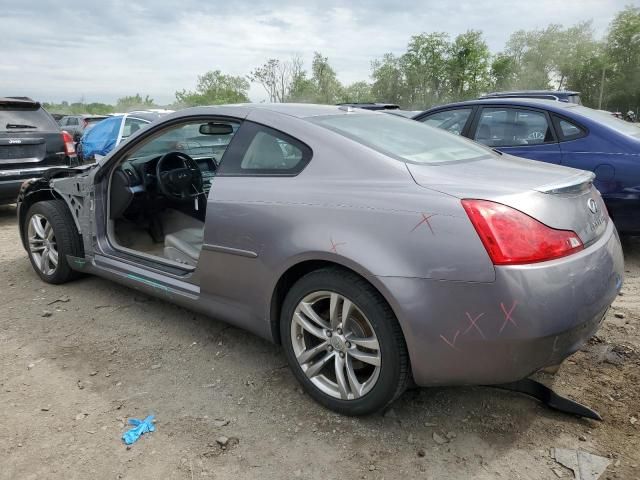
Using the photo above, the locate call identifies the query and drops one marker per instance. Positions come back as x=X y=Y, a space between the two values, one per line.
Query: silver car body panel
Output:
x=399 y=225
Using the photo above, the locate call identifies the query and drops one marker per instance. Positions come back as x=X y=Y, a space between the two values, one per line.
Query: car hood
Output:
x=554 y=195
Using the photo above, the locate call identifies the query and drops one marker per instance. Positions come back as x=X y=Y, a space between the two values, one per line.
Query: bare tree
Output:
x=277 y=77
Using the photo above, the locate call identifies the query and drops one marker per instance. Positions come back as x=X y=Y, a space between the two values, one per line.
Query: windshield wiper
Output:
x=19 y=125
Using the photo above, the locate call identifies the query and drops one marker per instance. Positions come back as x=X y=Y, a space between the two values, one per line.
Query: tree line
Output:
x=436 y=69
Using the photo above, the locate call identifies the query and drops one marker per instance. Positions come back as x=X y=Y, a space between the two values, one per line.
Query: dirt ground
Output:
x=77 y=360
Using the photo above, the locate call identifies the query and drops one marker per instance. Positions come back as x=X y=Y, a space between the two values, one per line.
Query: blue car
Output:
x=108 y=133
x=557 y=132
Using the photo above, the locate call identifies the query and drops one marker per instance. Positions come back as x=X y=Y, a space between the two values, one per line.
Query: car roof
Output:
x=510 y=101
x=556 y=93
x=298 y=110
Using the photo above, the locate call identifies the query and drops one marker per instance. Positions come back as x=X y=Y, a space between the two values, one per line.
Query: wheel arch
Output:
x=31 y=194
x=299 y=269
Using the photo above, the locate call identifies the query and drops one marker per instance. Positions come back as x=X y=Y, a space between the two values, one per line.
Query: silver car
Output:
x=377 y=250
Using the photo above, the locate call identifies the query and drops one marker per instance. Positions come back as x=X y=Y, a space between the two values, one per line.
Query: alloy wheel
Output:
x=42 y=244
x=335 y=345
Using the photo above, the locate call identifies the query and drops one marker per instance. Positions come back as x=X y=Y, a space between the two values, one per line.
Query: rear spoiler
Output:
x=19 y=102
x=574 y=185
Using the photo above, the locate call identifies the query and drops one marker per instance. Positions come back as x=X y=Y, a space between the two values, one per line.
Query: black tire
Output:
x=67 y=239
x=394 y=375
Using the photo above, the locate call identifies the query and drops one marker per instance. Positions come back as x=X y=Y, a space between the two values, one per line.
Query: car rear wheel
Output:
x=343 y=342
x=51 y=235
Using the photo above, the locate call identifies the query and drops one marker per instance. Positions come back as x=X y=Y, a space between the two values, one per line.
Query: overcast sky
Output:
x=99 y=51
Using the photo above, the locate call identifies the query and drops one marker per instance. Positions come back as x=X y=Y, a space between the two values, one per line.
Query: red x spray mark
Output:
x=425 y=219
x=334 y=245
x=451 y=343
x=473 y=324
x=507 y=315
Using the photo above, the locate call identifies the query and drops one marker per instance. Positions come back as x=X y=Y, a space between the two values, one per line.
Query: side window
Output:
x=260 y=150
x=450 y=120
x=63 y=121
x=568 y=130
x=507 y=127
x=72 y=121
x=131 y=126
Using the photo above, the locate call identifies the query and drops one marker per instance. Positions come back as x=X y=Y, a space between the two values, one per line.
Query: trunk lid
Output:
x=560 y=197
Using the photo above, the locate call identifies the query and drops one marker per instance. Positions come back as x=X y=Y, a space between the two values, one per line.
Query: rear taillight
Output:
x=69 y=146
x=512 y=237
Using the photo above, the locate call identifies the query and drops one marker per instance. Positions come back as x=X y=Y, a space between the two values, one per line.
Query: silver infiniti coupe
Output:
x=375 y=249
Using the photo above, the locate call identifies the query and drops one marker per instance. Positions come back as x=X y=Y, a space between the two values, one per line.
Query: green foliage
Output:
x=77 y=108
x=325 y=82
x=433 y=70
x=468 y=65
x=134 y=102
x=388 y=80
x=215 y=88
x=623 y=60
x=357 y=92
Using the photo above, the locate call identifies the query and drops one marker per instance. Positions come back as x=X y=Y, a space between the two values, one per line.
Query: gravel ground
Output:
x=77 y=360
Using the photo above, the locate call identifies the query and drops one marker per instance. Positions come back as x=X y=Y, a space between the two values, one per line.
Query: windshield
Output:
x=609 y=120
x=404 y=139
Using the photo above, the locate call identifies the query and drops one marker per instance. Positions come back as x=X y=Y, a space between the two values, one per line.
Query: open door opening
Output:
x=158 y=192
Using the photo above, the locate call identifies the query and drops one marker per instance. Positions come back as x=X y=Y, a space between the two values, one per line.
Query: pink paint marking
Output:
x=473 y=324
x=507 y=315
x=334 y=245
x=452 y=344
x=425 y=219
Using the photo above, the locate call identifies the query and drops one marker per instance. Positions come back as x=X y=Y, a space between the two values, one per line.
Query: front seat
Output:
x=184 y=246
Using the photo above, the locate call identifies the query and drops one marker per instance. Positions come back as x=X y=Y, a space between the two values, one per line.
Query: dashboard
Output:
x=141 y=172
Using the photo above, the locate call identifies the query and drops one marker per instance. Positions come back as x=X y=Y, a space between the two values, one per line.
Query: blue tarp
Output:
x=102 y=138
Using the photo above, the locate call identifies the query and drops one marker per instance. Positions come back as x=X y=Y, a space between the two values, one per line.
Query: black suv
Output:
x=30 y=142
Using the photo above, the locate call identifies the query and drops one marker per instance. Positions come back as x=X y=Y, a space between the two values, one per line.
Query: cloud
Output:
x=100 y=51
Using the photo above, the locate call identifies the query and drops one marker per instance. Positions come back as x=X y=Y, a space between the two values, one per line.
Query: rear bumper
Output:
x=11 y=180
x=531 y=317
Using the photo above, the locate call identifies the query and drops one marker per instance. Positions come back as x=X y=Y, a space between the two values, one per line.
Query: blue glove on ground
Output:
x=140 y=427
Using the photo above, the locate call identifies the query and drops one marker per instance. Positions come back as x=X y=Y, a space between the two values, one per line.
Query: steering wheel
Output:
x=536 y=135
x=179 y=183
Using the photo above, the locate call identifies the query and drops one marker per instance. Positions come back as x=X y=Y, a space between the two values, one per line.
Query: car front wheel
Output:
x=343 y=342
x=51 y=235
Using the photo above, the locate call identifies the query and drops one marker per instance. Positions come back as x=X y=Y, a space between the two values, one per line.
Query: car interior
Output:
x=158 y=192
x=511 y=127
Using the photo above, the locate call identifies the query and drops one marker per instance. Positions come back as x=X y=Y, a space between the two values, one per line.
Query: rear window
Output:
x=609 y=120
x=14 y=118
x=404 y=139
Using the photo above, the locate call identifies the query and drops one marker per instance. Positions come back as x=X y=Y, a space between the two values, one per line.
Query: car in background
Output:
x=557 y=132
x=110 y=132
x=370 y=105
x=30 y=143
x=568 y=96
x=76 y=125
x=391 y=108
